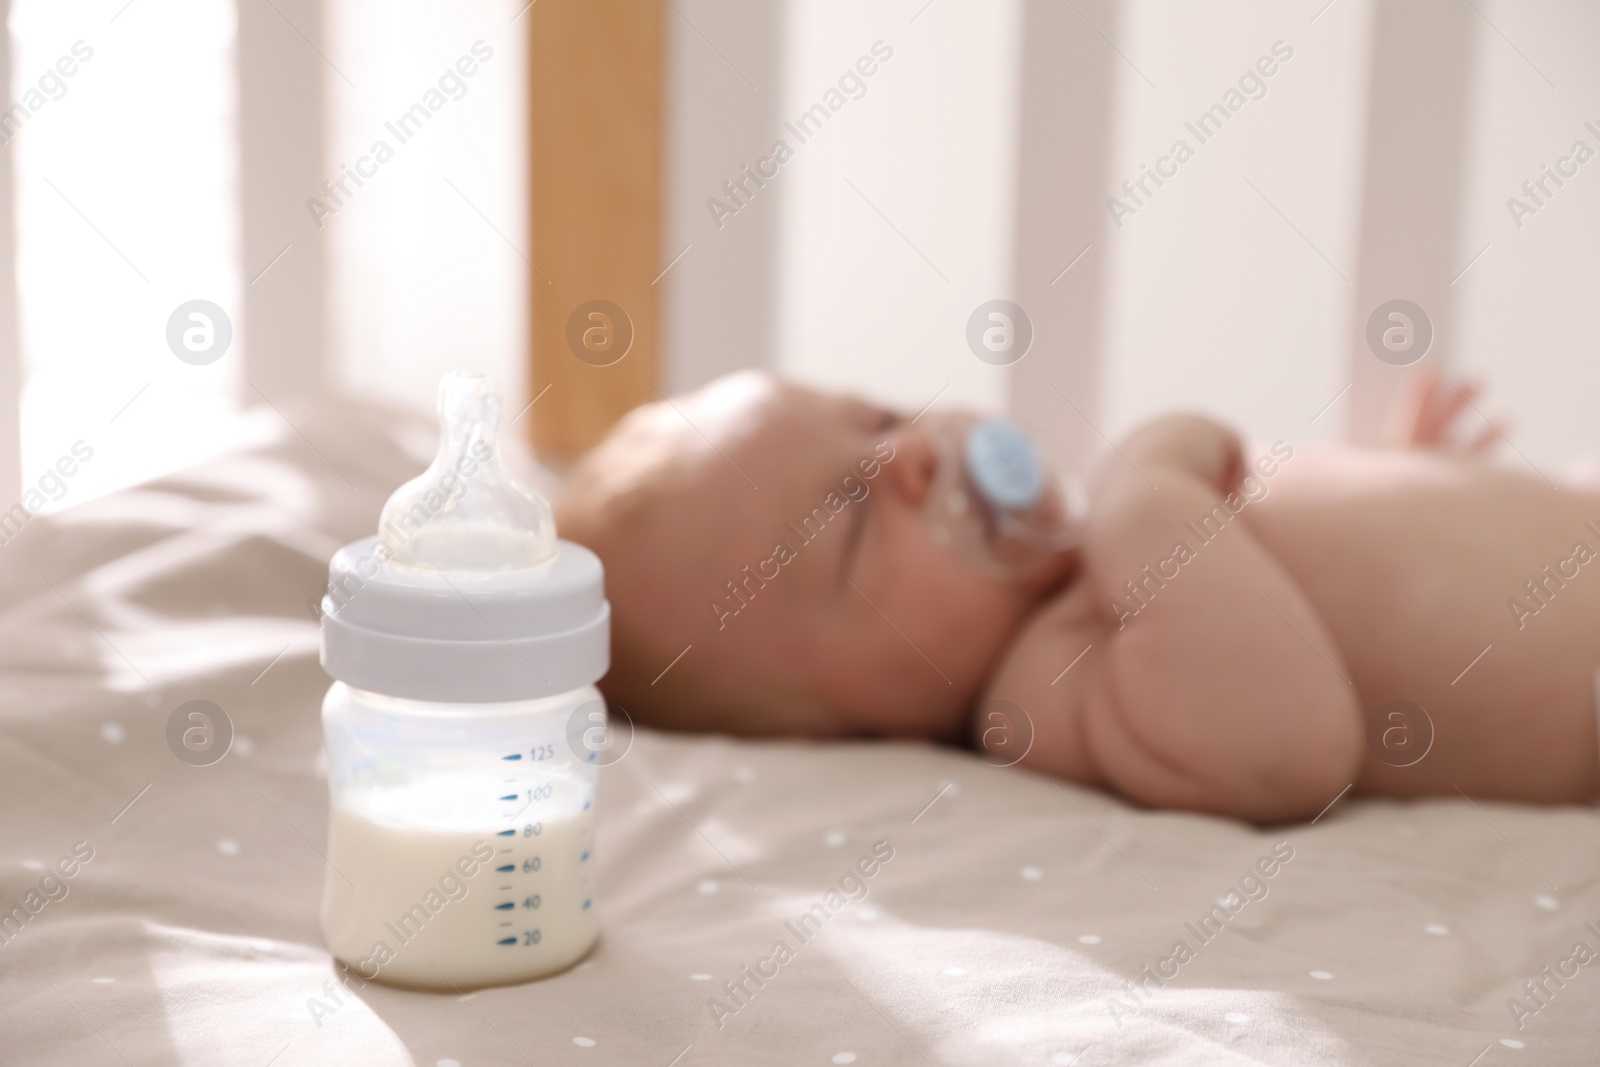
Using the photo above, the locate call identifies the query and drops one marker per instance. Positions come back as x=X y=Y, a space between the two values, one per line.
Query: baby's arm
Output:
x=1224 y=692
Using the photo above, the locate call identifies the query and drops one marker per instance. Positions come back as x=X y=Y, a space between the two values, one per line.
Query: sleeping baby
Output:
x=1232 y=631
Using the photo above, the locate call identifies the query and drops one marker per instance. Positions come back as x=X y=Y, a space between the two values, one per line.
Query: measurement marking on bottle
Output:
x=513 y=756
x=507 y=906
x=509 y=796
x=506 y=833
x=507 y=868
x=506 y=941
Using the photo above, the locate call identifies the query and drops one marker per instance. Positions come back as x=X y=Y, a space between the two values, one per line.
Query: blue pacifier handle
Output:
x=1003 y=465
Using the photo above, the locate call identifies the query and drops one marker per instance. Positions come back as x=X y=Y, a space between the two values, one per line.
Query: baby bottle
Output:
x=996 y=502
x=466 y=641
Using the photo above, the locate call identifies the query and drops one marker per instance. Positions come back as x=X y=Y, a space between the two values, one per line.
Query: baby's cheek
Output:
x=976 y=617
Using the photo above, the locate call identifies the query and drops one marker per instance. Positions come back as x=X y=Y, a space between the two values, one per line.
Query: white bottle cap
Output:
x=466 y=595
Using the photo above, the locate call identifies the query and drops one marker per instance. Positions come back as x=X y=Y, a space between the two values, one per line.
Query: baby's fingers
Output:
x=1455 y=401
x=1435 y=409
x=1488 y=439
x=1423 y=420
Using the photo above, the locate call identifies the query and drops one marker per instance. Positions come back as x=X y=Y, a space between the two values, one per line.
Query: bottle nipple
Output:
x=466 y=512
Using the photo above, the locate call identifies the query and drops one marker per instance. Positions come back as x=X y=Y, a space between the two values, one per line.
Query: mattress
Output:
x=1009 y=918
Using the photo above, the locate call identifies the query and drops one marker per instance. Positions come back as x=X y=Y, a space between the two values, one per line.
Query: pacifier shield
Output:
x=1003 y=465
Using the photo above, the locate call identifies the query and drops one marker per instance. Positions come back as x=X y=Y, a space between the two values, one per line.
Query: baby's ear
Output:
x=915 y=463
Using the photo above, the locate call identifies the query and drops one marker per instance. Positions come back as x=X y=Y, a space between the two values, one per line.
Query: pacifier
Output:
x=996 y=502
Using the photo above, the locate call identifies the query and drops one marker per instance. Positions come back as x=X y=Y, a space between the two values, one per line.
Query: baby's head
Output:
x=776 y=533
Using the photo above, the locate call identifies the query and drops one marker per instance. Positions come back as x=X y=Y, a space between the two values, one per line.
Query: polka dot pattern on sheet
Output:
x=1032 y=874
x=112 y=733
x=1511 y=1042
x=228 y=846
x=1437 y=929
x=1546 y=902
x=1322 y=976
x=700 y=977
x=844 y=1057
x=583 y=1042
x=1088 y=939
x=1237 y=1017
x=708 y=886
x=446 y=1063
x=833 y=838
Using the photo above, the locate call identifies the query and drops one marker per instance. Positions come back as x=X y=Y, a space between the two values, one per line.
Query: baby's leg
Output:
x=1223 y=690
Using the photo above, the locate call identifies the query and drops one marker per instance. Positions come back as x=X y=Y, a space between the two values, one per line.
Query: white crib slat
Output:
x=10 y=347
x=1059 y=272
x=1416 y=154
x=282 y=119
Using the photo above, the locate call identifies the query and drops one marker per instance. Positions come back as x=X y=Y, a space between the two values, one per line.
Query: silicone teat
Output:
x=996 y=502
x=466 y=512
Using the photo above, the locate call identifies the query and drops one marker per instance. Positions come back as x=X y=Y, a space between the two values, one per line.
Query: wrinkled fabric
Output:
x=1016 y=920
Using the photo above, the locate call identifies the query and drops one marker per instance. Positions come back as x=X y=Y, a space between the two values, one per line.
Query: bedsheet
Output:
x=1009 y=918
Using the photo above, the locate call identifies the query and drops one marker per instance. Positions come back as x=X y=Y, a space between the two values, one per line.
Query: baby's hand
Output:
x=1429 y=414
x=1190 y=443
